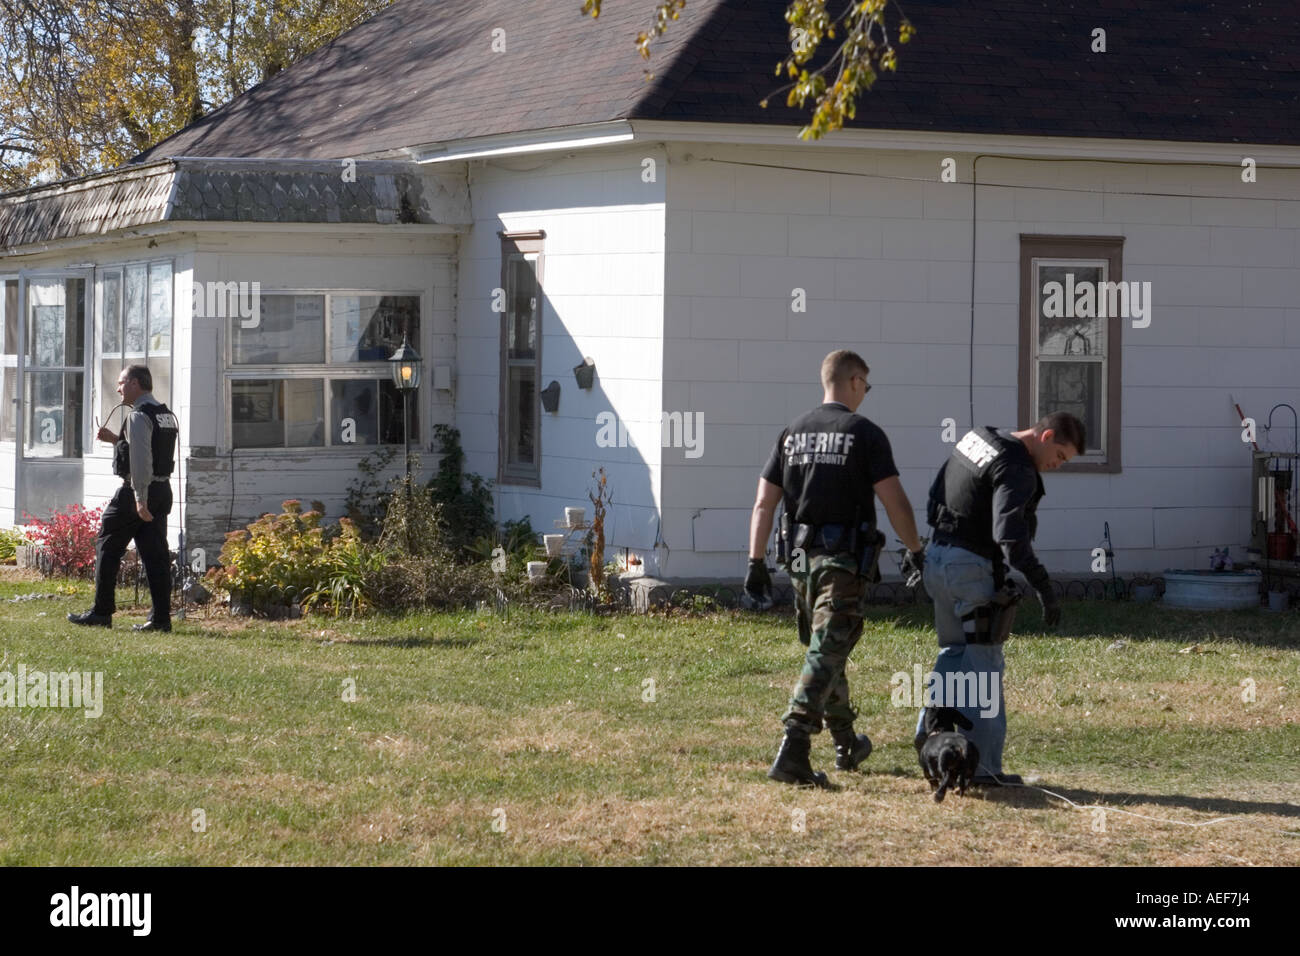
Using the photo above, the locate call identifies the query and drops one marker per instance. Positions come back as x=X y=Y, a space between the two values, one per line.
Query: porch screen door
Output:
x=52 y=366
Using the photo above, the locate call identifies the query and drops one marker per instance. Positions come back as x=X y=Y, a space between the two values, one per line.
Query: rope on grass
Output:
x=1131 y=813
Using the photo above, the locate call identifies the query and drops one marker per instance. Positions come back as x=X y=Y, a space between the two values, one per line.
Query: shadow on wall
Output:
x=610 y=424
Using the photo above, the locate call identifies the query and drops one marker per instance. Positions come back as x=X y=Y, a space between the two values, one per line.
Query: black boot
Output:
x=791 y=764
x=91 y=619
x=850 y=750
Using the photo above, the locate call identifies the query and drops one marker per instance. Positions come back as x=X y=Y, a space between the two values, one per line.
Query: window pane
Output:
x=136 y=308
x=305 y=412
x=521 y=405
x=369 y=328
x=1074 y=387
x=1068 y=310
x=111 y=318
x=56 y=331
x=53 y=422
x=354 y=406
x=160 y=307
x=290 y=330
x=8 y=404
x=521 y=319
x=392 y=409
x=10 y=305
x=109 y=369
x=257 y=413
x=47 y=330
x=160 y=368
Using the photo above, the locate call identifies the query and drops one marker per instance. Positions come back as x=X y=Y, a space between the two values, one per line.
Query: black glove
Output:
x=758 y=586
x=912 y=566
x=1051 y=607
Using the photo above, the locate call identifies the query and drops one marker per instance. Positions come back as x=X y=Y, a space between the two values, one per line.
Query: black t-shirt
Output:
x=827 y=462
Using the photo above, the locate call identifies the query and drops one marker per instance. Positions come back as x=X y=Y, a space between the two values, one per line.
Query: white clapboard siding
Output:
x=603 y=214
x=885 y=264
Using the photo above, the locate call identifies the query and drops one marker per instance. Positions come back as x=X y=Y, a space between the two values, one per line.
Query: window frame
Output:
x=8 y=360
x=99 y=387
x=83 y=439
x=1064 y=250
x=323 y=372
x=520 y=244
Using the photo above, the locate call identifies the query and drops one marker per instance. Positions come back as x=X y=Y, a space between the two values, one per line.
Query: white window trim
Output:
x=99 y=387
x=316 y=371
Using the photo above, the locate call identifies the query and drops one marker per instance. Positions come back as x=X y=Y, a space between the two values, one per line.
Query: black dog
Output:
x=947 y=759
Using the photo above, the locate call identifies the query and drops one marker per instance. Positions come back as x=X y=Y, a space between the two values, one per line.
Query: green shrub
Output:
x=412 y=524
x=289 y=558
x=348 y=562
x=367 y=500
x=11 y=539
x=464 y=500
x=277 y=559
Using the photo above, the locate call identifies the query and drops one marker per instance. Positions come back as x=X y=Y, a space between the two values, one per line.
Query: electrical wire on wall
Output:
x=975 y=184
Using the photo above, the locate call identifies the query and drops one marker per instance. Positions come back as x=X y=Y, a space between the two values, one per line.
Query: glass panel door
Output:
x=51 y=371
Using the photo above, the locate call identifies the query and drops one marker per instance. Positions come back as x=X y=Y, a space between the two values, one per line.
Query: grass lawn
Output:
x=474 y=740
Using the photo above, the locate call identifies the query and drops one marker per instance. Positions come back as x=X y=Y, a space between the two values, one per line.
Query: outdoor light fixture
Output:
x=405 y=363
x=551 y=396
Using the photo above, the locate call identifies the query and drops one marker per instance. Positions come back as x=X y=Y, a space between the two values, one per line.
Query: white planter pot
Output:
x=536 y=570
x=554 y=544
x=574 y=517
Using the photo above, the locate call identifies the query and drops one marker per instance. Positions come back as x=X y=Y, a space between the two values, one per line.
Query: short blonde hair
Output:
x=840 y=366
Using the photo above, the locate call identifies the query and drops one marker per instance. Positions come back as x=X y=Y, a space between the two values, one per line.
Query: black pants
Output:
x=121 y=523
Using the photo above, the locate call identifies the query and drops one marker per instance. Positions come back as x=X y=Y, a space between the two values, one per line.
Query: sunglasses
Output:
x=865 y=387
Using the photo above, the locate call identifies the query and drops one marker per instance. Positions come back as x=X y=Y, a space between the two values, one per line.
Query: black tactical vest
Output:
x=163 y=444
x=961 y=498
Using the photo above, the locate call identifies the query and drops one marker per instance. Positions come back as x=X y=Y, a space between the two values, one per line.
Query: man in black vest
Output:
x=983 y=508
x=829 y=466
x=144 y=455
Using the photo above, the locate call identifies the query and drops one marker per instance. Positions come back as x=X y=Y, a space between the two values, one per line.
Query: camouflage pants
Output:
x=829 y=597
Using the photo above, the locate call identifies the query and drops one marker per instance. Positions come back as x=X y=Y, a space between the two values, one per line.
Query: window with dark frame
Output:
x=313 y=371
x=1069 y=358
x=520 y=456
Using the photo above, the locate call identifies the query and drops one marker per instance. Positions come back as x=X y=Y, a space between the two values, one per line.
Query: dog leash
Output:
x=1130 y=813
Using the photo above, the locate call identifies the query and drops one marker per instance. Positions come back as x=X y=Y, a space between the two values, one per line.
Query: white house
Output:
x=520 y=202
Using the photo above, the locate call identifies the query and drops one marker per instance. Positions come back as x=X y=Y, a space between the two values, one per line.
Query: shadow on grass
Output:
x=1136 y=622
x=1029 y=797
x=410 y=641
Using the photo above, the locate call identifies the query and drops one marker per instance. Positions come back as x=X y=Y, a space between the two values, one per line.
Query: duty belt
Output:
x=863 y=542
x=983 y=550
x=126 y=482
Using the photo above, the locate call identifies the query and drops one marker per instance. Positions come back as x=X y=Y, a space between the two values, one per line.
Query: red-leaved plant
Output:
x=68 y=538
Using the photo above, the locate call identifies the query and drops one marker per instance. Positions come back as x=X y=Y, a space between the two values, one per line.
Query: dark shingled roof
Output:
x=423 y=72
x=215 y=190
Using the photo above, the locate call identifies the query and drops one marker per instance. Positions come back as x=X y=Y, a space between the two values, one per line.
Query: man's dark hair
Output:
x=840 y=366
x=143 y=377
x=1068 y=429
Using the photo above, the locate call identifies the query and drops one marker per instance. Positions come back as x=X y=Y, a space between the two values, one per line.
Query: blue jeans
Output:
x=959 y=581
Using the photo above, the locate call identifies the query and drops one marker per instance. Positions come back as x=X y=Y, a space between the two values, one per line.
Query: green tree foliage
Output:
x=866 y=50
x=87 y=84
